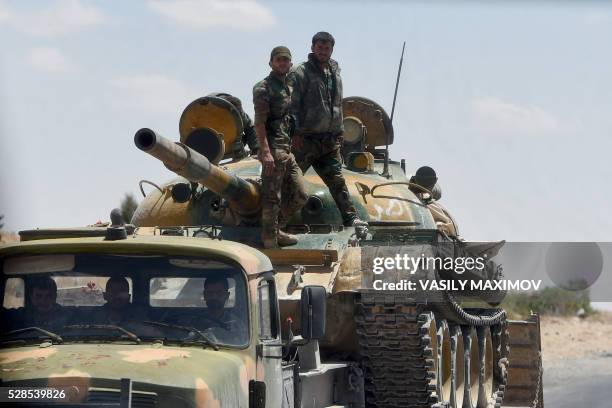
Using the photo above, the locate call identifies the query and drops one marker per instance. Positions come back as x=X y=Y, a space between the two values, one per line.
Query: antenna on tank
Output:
x=399 y=72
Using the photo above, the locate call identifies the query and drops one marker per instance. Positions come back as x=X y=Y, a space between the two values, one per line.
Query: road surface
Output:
x=578 y=383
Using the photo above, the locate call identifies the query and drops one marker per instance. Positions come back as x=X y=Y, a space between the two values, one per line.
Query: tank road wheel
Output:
x=431 y=327
x=472 y=367
x=444 y=375
x=485 y=360
x=458 y=369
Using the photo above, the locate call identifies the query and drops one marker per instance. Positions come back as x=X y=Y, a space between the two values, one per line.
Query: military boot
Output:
x=285 y=239
x=356 y=222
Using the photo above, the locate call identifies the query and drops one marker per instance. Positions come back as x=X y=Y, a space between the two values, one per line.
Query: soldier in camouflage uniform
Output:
x=282 y=187
x=249 y=136
x=316 y=106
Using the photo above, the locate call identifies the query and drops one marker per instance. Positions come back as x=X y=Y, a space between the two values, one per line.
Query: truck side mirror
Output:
x=313 y=312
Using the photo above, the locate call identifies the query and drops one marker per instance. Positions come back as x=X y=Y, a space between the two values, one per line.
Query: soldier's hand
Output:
x=267 y=161
x=297 y=143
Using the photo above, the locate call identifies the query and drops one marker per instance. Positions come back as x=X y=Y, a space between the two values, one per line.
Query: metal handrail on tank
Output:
x=371 y=190
x=243 y=196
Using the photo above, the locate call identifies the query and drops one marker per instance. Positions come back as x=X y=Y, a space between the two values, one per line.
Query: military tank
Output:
x=446 y=347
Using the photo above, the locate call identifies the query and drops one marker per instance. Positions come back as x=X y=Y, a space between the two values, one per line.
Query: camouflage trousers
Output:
x=322 y=152
x=283 y=192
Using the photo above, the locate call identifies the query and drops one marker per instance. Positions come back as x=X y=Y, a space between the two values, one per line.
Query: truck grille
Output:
x=109 y=397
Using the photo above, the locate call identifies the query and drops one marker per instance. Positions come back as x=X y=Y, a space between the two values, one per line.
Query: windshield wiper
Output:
x=55 y=337
x=207 y=339
x=128 y=333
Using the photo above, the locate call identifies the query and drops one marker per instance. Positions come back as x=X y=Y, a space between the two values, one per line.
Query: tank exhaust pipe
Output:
x=242 y=195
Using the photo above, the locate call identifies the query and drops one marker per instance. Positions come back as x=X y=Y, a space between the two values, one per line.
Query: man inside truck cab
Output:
x=43 y=310
x=118 y=308
x=216 y=318
x=216 y=294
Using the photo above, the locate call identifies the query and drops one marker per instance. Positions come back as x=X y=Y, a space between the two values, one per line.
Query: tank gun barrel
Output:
x=243 y=195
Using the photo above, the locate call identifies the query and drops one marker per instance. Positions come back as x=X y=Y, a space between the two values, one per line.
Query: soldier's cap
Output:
x=281 y=51
x=323 y=36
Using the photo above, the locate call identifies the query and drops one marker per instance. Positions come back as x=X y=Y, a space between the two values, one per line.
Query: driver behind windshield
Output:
x=43 y=310
x=216 y=316
x=216 y=294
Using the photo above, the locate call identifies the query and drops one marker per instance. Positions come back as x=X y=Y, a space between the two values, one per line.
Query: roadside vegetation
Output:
x=551 y=301
x=128 y=206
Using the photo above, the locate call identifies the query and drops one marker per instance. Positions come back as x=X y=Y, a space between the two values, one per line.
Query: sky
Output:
x=508 y=101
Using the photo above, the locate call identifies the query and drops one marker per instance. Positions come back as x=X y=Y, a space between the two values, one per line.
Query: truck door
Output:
x=269 y=348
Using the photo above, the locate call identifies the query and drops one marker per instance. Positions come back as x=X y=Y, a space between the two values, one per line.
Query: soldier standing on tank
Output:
x=282 y=187
x=249 y=136
x=316 y=107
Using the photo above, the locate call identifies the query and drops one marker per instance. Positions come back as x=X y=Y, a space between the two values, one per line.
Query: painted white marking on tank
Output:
x=379 y=212
x=394 y=205
x=410 y=214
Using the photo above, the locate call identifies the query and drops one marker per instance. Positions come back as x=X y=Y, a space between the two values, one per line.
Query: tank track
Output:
x=396 y=350
x=395 y=345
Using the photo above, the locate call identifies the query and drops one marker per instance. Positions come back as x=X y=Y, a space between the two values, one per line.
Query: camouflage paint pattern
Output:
x=187 y=376
x=316 y=99
x=158 y=209
x=201 y=376
x=271 y=99
x=322 y=153
x=282 y=193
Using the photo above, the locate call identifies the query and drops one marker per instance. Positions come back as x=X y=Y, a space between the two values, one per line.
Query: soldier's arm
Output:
x=261 y=102
x=250 y=135
x=295 y=79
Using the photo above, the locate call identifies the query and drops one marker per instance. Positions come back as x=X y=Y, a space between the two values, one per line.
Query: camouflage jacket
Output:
x=316 y=101
x=271 y=98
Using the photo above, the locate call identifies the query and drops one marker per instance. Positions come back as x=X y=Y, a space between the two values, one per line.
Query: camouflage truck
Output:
x=168 y=349
x=312 y=331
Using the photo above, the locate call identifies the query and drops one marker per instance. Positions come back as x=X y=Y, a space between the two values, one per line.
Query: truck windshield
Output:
x=90 y=297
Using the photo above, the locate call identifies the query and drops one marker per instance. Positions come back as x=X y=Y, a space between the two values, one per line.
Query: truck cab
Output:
x=157 y=321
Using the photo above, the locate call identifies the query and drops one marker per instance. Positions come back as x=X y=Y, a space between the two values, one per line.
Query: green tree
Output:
x=128 y=206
